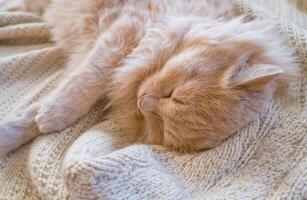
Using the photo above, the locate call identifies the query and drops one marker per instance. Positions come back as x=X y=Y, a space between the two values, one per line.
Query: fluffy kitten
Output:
x=182 y=73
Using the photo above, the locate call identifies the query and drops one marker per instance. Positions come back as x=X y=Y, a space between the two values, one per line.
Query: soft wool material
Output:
x=266 y=160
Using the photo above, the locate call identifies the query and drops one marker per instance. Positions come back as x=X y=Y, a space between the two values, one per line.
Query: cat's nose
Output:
x=148 y=102
x=141 y=100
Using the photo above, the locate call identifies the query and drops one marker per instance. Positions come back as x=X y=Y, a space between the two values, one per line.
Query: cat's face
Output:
x=205 y=93
x=191 y=91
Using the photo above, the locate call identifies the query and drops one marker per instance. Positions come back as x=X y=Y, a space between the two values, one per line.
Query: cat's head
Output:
x=207 y=90
x=205 y=93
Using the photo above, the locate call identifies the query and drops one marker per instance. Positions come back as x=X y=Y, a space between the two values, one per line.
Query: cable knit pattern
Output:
x=88 y=160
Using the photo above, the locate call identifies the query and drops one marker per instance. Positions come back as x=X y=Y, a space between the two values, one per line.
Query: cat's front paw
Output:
x=18 y=129
x=53 y=117
x=6 y=143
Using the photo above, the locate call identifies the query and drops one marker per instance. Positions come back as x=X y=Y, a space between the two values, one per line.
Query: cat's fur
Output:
x=186 y=74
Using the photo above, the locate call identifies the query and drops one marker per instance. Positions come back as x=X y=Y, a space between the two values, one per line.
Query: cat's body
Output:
x=186 y=74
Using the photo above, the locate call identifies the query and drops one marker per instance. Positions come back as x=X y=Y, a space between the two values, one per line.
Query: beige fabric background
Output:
x=266 y=160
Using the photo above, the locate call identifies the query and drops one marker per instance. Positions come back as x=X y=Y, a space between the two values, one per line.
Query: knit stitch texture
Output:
x=265 y=160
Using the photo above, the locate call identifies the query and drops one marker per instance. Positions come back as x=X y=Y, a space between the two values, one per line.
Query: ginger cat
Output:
x=182 y=73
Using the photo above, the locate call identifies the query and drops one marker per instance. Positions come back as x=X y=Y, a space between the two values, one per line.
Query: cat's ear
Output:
x=258 y=76
x=251 y=77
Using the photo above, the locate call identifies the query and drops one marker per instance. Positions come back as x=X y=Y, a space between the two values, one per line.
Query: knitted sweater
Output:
x=265 y=160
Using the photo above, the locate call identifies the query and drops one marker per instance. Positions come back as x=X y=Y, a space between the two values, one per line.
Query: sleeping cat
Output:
x=182 y=73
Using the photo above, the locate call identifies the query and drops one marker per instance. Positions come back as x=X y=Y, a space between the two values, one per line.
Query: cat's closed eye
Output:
x=177 y=100
x=168 y=94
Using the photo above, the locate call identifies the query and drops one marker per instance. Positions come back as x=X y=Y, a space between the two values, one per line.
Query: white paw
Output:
x=18 y=130
x=6 y=143
x=54 y=116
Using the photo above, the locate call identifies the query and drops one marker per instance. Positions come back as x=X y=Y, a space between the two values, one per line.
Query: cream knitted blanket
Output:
x=266 y=160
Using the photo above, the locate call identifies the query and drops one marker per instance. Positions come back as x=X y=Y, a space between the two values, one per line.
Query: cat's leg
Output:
x=77 y=92
x=18 y=130
x=87 y=83
x=34 y=6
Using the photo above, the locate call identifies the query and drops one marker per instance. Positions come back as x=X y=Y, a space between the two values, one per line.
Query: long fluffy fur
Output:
x=186 y=74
